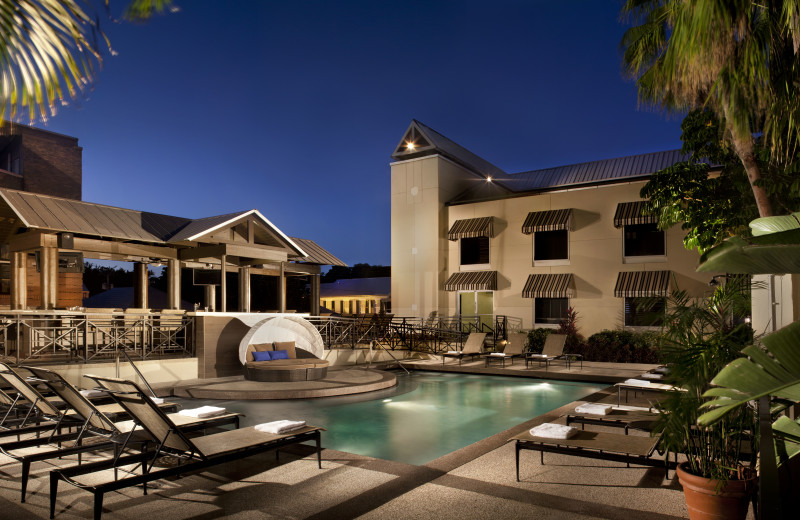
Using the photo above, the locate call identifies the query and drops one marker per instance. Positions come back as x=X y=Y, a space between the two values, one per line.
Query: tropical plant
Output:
x=50 y=51
x=621 y=346
x=769 y=372
x=701 y=336
x=738 y=58
x=568 y=326
x=536 y=339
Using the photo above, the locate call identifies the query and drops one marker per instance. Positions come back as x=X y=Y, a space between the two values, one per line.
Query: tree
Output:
x=712 y=208
x=738 y=58
x=50 y=51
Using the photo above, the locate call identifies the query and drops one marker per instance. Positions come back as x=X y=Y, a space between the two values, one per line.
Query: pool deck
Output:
x=475 y=482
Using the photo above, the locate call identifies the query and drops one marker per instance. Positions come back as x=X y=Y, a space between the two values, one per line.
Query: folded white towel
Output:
x=553 y=431
x=636 y=382
x=498 y=354
x=279 y=427
x=542 y=356
x=454 y=352
x=594 y=408
x=204 y=412
x=93 y=393
x=157 y=400
x=652 y=376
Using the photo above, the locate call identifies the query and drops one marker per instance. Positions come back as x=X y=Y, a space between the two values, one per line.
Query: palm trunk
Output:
x=743 y=145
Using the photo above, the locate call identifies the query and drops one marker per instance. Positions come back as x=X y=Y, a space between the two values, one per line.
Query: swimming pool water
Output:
x=427 y=415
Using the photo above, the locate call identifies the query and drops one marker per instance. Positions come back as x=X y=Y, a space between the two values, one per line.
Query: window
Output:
x=644 y=312
x=475 y=251
x=550 y=245
x=550 y=310
x=643 y=240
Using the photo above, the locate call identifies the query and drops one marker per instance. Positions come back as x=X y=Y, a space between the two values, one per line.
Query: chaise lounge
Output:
x=514 y=348
x=472 y=347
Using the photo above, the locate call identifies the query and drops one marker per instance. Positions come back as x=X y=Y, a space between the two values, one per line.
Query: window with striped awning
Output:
x=642 y=284
x=472 y=281
x=549 y=286
x=553 y=220
x=629 y=213
x=472 y=228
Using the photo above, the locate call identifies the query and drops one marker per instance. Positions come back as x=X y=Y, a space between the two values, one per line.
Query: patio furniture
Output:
x=553 y=349
x=627 y=419
x=514 y=348
x=192 y=454
x=472 y=347
x=641 y=385
x=631 y=449
x=300 y=365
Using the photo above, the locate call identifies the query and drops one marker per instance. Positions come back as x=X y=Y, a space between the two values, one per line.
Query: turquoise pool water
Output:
x=425 y=416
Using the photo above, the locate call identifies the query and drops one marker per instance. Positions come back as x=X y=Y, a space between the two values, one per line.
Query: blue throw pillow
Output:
x=262 y=356
x=280 y=354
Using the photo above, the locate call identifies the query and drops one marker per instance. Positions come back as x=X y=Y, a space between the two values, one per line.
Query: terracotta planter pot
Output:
x=703 y=501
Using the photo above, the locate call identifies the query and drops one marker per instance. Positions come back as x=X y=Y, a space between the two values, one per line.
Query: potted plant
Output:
x=700 y=337
x=768 y=372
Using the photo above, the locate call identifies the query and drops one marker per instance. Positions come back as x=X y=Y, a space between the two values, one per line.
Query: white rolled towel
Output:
x=636 y=382
x=89 y=393
x=652 y=376
x=204 y=412
x=553 y=431
x=498 y=354
x=157 y=400
x=278 y=427
x=594 y=408
x=539 y=356
x=454 y=352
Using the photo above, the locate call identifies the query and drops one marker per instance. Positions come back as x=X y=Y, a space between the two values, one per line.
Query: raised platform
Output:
x=339 y=381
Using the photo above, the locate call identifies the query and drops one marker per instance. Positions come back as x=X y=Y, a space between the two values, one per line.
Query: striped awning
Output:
x=629 y=213
x=642 y=284
x=471 y=228
x=553 y=220
x=472 y=281
x=549 y=286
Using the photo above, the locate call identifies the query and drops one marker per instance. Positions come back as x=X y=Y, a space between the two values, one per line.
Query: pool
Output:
x=427 y=415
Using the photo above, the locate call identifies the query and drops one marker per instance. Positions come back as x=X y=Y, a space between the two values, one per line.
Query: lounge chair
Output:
x=192 y=454
x=643 y=385
x=472 y=347
x=631 y=449
x=89 y=421
x=627 y=419
x=514 y=348
x=553 y=349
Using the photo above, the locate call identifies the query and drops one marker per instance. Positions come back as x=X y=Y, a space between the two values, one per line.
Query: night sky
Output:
x=294 y=108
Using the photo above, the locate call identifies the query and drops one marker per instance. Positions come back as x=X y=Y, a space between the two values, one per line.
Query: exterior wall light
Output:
x=489 y=178
x=410 y=146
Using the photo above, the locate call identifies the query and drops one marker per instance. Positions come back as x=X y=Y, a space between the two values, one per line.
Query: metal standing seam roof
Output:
x=87 y=218
x=549 y=286
x=471 y=228
x=552 y=220
x=642 y=284
x=472 y=281
x=315 y=254
x=632 y=213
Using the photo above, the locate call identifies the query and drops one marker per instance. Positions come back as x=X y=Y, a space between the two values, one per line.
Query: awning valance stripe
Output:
x=553 y=220
x=642 y=284
x=472 y=281
x=471 y=228
x=549 y=286
x=629 y=213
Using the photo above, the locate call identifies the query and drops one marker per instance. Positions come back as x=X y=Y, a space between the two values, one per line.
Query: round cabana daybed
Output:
x=295 y=343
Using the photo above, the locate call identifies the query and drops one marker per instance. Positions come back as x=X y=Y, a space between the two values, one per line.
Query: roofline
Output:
x=3 y=195
x=244 y=214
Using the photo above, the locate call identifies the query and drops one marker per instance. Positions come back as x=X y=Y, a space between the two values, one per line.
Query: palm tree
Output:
x=737 y=57
x=50 y=51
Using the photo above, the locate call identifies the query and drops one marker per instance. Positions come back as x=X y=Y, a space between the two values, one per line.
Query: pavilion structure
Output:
x=45 y=239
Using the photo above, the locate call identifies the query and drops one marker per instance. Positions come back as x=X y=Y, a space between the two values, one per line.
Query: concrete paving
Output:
x=475 y=482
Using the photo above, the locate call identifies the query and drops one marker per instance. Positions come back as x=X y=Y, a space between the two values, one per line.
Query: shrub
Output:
x=536 y=339
x=621 y=346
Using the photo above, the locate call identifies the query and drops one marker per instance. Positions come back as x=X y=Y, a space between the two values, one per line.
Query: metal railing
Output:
x=81 y=337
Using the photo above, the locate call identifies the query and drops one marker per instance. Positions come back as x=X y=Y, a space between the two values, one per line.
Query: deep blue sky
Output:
x=294 y=108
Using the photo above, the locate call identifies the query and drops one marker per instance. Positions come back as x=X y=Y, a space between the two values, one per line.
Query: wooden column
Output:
x=19 y=280
x=173 y=284
x=48 y=277
x=282 y=290
x=314 y=295
x=140 y=284
x=223 y=285
x=244 y=289
x=211 y=297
